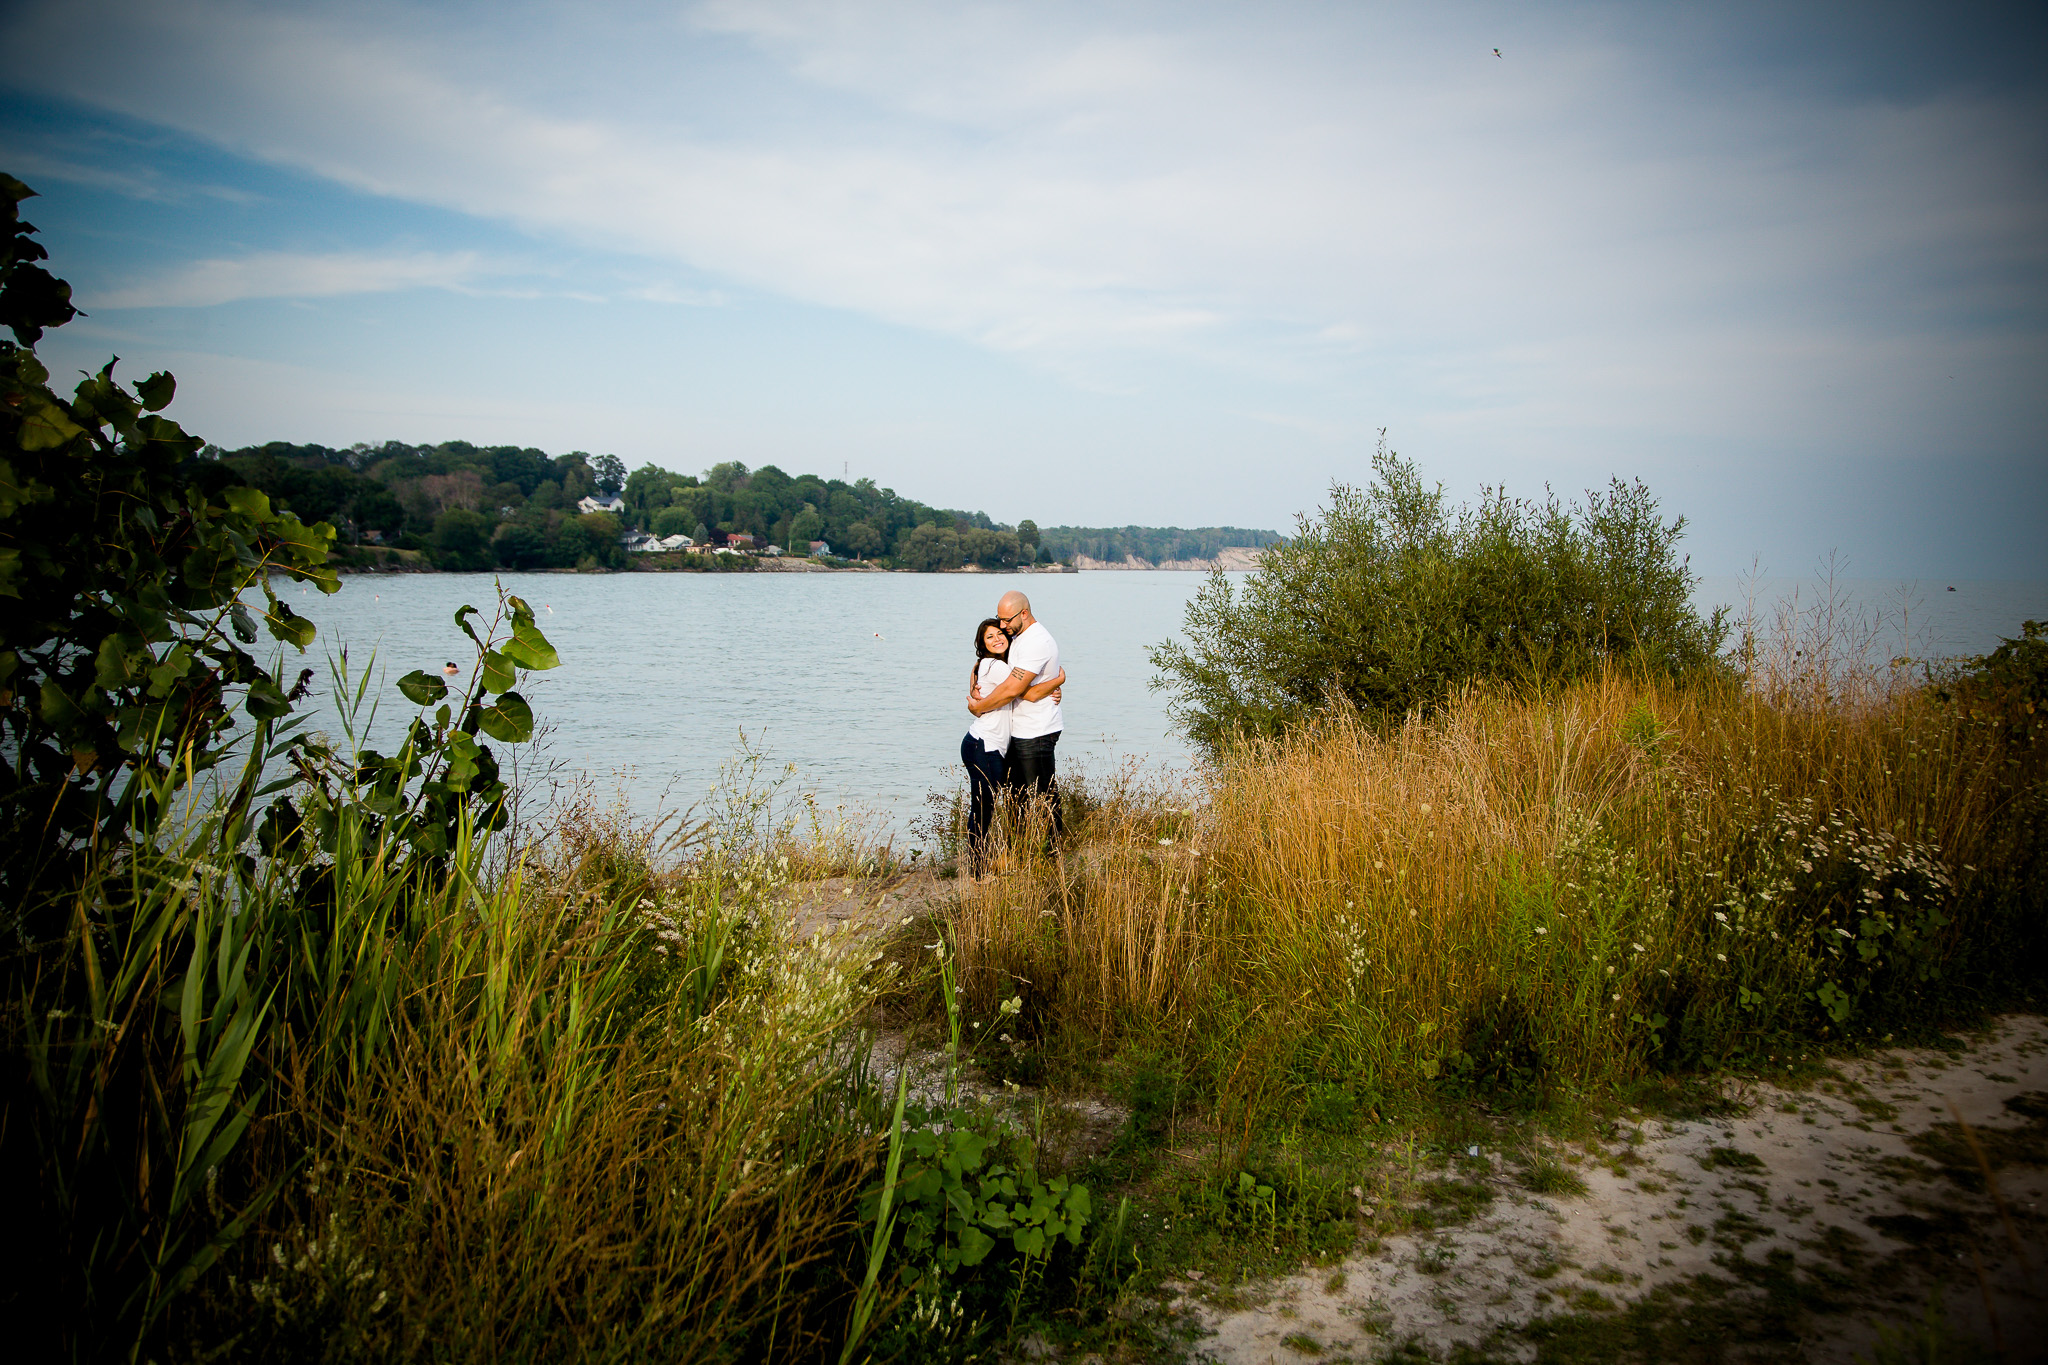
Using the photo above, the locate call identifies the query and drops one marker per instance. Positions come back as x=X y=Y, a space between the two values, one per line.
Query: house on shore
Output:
x=740 y=542
x=819 y=547
x=613 y=504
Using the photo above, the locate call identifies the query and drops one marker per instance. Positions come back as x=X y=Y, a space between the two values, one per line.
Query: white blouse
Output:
x=992 y=728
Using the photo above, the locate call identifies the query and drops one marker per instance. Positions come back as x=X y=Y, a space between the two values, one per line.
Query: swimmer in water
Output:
x=449 y=669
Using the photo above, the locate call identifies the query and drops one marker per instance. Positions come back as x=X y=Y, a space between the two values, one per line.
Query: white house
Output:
x=613 y=504
x=819 y=547
x=677 y=543
x=640 y=543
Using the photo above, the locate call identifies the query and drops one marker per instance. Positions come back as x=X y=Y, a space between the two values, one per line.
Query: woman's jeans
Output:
x=984 y=780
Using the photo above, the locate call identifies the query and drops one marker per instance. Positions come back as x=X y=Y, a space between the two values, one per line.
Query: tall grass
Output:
x=1532 y=890
x=589 y=1099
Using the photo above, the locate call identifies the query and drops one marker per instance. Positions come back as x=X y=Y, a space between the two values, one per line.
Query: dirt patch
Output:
x=859 y=907
x=1792 y=1228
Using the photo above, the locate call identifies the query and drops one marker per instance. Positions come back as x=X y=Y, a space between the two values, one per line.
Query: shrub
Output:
x=125 y=562
x=1389 y=601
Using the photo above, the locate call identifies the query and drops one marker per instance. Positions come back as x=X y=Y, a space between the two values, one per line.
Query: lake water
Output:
x=860 y=679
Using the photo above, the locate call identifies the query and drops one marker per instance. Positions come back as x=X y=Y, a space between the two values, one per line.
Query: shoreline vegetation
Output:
x=1498 y=850
x=460 y=507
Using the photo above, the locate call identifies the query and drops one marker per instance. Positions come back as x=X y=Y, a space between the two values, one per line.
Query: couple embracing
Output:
x=1014 y=695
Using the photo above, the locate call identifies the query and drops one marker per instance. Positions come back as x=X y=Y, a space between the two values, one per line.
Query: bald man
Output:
x=1034 y=725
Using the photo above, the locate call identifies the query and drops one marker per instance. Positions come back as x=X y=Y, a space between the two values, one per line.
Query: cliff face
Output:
x=1235 y=558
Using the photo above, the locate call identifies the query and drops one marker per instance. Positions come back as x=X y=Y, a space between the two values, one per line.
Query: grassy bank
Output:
x=1529 y=896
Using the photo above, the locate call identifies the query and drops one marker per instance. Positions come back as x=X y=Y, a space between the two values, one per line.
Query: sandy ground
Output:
x=1863 y=1176
x=856 y=908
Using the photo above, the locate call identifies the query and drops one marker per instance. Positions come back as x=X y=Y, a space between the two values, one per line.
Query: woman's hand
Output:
x=1050 y=687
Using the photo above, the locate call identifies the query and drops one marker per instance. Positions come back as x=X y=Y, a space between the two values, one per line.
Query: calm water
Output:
x=860 y=679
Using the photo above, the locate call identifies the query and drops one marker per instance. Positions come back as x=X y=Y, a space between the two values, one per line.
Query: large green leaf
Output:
x=267 y=701
x=508 y=719
x=46 y=427
x=157 y=391
x=528 y=648
x=244 y=501
x=976 y=1244
x=421 y=688
x=497 y=673
x=287 y=625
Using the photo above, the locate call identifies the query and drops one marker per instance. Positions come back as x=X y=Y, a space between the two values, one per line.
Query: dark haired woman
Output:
x=988 y=738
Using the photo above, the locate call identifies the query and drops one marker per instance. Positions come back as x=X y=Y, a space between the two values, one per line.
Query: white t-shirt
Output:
x=992 y=728
x=1037 y=653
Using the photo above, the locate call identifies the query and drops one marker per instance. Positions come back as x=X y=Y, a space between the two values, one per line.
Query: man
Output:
x=1034 y=725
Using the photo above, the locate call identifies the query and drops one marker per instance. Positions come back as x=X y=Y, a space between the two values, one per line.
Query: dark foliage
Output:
x=1389 y=600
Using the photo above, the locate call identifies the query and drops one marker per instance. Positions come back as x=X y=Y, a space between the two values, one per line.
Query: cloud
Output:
x=1048 y=182
x=142 y=182
x=289 y=275
x=1600 y=239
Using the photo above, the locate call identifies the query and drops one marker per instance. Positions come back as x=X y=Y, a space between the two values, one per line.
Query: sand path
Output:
x=1864 y=1181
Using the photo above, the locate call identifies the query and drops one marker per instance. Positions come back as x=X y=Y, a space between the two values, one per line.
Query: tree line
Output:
x=471 y=507
x=1153 y=544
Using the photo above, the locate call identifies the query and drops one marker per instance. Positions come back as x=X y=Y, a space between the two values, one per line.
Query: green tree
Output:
x=1027 y=536
x=518 y=545
x=929 y=548
x=609 y=472
x=990 y=549
x=807 y=526
x=674 y=521
x=861 y=540
x=1388 y=600
x=125 y=562
x=599 y=534
x=462 y=540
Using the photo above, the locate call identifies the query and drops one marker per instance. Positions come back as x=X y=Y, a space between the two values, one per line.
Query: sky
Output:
x=1095 y=264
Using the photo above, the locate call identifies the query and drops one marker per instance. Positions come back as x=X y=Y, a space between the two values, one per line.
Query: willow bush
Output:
x=1389 y=600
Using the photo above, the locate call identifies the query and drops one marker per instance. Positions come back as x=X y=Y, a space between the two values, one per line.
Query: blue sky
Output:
x=1170 y=264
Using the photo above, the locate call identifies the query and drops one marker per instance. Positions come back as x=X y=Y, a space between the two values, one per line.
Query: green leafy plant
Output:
x=1389 y=600
x=126 y=568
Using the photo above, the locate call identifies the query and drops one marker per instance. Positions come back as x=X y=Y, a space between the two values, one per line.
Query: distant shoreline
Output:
x=1235 y=559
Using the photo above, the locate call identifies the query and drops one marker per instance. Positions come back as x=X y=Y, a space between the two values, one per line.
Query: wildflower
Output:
x=1721 y=917
x=1637 y=946
x=1720 y=957
x=1166 y=843
x=1425 y=808
x=1541 y=930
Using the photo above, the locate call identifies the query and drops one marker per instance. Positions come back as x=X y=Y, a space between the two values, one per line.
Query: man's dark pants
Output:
x=1029 y=771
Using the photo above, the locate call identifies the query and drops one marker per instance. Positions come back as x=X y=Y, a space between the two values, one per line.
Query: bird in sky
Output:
x=1496 y=52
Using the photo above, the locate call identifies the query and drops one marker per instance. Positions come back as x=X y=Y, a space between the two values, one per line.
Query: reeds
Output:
x=594 y=1102
x=1533 y=890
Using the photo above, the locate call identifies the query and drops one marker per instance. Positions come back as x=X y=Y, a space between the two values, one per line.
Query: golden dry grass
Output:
x=1562 y=884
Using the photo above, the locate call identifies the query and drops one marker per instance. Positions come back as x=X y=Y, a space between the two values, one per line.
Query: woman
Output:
x=988 y=738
